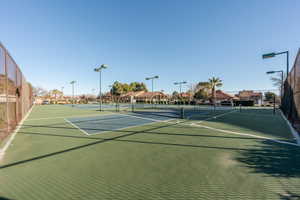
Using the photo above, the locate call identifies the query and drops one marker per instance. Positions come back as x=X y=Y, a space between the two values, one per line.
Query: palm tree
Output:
x=56 y=93
x=213 y=83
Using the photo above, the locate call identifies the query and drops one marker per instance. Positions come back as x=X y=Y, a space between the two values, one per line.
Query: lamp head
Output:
x=104 y=66
x=270 y=72
x=268 y=55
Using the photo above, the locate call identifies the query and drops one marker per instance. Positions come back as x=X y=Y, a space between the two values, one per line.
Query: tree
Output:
x=83 y=98
x=277 y=80
x=203 y=85
x=55 y=93
x=39 y=92
x=136 y=86
x=269 y=96
x=175 y=94
x=126 y=88
x=192 y=91
x=201 y=95
x=121 y=88
x=117 y=88
x=213 y=83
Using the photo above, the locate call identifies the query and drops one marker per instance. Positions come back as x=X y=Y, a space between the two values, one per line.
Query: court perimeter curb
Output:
x=13 y=135
x=293 y=130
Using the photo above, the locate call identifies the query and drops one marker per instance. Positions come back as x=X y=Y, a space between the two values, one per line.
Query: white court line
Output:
x=244 y=134
x=12 y=137
x=293 y=131
x=155 y=120
x=220 y=115
x=72 y=116
x=83 y=131
x=129 y=127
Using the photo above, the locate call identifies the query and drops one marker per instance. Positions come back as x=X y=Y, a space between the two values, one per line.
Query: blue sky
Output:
x=57 y=41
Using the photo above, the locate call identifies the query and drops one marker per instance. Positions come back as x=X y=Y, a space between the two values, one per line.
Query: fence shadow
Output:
x=272 y=159
x=289 y=196
x=275 y=160
x=117 y=138
x=3 y=198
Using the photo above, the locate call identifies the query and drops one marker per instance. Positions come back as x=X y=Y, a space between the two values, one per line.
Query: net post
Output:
x=182 y=113
x=116 y=107
x=274 y=105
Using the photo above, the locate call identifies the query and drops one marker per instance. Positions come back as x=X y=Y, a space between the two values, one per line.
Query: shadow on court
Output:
x=272 y=159
x=258 y=121
x=117 y=138
x=3 y=198
x=289 y=196
x=275 y=160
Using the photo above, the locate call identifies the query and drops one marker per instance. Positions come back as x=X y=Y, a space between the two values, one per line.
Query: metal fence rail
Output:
x=291 y=96
x=15 y=94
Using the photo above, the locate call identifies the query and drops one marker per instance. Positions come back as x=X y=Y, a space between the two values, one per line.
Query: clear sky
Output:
x=57 y=41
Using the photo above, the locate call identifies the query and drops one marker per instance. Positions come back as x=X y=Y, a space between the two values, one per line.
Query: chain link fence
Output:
x=15 y=94
x=291 y=94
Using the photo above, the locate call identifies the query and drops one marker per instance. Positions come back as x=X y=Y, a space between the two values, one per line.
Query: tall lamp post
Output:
x=279 y=71
x=72 y=83
x=62 y=92
x=99 y=69
x=152 y=78
x=273 y=54
x=180 y=86
x=111 y=94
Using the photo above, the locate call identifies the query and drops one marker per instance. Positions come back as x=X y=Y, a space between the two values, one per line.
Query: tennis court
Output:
x=64 y=152
x=113 y=122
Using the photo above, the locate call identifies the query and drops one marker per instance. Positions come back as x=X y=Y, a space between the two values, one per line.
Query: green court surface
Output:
x=64 y=152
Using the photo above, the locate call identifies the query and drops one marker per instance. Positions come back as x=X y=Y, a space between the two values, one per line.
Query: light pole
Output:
x=273 y=54
x=281 y=92
x=62 y=92
x=111 y=94
x=180 y=85
x=152 y=78
x=99 y=69
x=72 y=83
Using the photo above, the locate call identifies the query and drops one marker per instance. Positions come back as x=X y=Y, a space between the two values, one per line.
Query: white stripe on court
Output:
x=149 y=123
x=220 y=115
x=83 y=131
x=12 y=137
x=155 y=120
x=71 y=116
x=244 y=134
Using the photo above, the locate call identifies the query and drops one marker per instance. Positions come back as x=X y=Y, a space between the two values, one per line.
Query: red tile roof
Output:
x=222 y=95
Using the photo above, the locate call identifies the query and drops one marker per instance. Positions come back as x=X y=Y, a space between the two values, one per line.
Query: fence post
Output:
x=274 y=104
